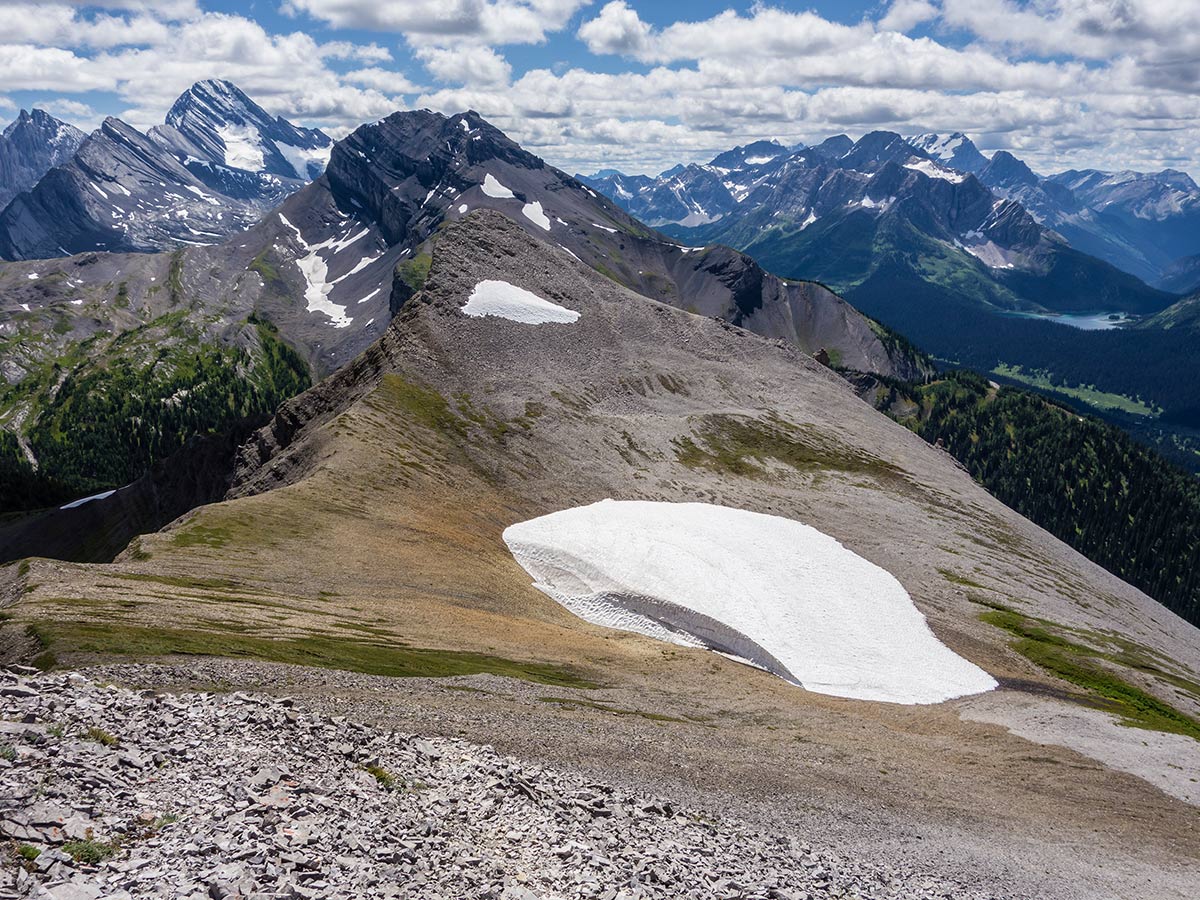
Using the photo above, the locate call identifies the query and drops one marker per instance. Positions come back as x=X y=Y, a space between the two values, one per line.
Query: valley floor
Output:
x=278 y=793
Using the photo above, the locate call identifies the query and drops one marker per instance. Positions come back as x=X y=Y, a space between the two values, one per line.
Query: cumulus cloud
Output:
x=618 y=29
x=904 y=15
x=465 y=63
x=1106 y=83
x=490 y=21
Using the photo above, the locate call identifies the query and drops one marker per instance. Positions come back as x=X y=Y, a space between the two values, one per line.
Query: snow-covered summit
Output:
x=215 y=121
x=954 y=150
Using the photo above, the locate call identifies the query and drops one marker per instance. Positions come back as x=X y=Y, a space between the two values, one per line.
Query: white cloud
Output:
x=904 y=15
x=490 y=21
x=465 y=63
x=382 y=80
x=618 y=29
x=1104 y=83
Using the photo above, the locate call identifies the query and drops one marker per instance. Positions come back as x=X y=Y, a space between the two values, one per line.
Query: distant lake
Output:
x=1101 y=321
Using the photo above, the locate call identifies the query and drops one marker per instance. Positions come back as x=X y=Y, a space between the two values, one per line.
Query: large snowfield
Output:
x=499 y=298
x=772 y=591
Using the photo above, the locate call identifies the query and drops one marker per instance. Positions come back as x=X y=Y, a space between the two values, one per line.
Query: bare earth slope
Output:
x=363 y=532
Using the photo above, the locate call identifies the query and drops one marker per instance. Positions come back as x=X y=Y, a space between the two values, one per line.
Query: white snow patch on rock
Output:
x=494 y=188
x=770 y=590
x=933 y=170
x=315 y=270
x=242 y=147
x=499 y=298
x=83 y=500
x=533 y=212
x=300 y=157
x=462 y=208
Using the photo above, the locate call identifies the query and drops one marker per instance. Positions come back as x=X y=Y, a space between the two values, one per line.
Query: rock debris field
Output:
x=108 y=792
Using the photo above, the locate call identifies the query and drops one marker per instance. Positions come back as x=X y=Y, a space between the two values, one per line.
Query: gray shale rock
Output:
x=224 y=796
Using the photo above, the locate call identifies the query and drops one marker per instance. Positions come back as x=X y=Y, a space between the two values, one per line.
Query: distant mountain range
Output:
x=1144 y=224
x=213 y=169
x=978 y=260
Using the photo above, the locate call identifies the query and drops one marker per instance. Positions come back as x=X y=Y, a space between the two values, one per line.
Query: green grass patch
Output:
x=737 y=445
x=100 y=736
x=323 y=651
x=28 y=852
x=1088 y=394
x=89 y=852
x=260 y=264
x=413 y=272
x=424 y=406
x=1072 y=662
x=385 y=778
x=955 y=578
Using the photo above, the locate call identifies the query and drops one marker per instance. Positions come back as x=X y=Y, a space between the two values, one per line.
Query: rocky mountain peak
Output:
x=874 y=150
x=215 y=121
x=756 y=153
x=30 y=146
x=955 y=150
x=1007 y=171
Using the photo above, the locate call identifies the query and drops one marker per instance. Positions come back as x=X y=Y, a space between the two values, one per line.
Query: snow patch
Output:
x=462 y=209
x=242 y=147
x=33 y=276
x=300 y=157
x=604 y=228
x=533 y=212
x=83 y=500
x=315 y=270
x=933 y=170
x=773 y=591
x=499 y=298
x=494 y=188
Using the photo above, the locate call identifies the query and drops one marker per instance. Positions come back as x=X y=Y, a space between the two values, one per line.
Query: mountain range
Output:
x=978 y=260
x=216 y=165
x=93 y=340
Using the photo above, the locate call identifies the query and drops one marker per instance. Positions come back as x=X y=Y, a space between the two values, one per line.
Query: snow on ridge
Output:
x=495 y=189
x=507 y=301
x=770 y=590
x=533 y=212
x=933 y=170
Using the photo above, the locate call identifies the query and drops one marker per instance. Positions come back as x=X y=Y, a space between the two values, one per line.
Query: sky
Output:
x=639 y=85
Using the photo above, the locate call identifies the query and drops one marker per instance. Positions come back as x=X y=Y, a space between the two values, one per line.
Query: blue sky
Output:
x=641 y=85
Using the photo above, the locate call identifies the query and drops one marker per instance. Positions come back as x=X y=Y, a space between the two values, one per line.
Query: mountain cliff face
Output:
x=30 y=147
x=364 y=526
x=213 y=170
